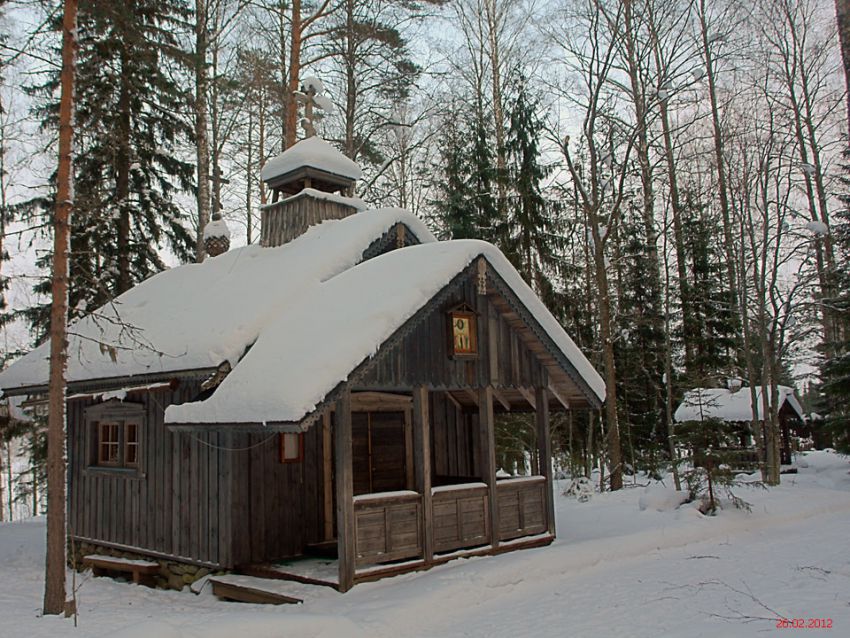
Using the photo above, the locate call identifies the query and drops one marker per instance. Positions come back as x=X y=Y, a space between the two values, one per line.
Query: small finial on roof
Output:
x=310 y=98
x=216 y=236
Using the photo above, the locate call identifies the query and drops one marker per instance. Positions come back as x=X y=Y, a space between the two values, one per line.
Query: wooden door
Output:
x=378 y=452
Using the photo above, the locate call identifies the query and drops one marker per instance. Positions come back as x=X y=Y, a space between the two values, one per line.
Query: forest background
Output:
x=669 y=177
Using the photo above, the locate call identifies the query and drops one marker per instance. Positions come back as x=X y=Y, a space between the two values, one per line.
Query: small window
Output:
x=116 y=435
x=108 y=444
x=291 y=447
x=131 y=445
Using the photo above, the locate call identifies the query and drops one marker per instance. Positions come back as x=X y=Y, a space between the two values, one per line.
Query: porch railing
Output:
x=388 y=526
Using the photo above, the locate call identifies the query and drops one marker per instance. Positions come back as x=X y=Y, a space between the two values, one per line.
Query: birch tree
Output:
x=588 y=45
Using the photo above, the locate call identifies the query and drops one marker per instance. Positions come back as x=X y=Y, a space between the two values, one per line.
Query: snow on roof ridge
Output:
x=354 y=202
x=315 y=153
x=197 y=316
x=343 y=321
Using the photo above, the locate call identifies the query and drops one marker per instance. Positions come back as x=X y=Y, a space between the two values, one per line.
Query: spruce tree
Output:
x=835 y=371
x=711 y=329
x=531 y=237
x=131 y=115
x=465 y=204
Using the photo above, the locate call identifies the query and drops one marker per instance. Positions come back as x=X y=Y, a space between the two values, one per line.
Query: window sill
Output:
x=123 y=472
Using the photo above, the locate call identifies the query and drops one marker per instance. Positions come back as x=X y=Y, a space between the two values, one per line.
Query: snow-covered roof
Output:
x=313 y=152
x=720 y=403
x=198 y=316
x=340 y=322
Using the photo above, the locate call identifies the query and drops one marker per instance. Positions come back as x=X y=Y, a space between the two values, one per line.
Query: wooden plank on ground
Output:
x=246 y=589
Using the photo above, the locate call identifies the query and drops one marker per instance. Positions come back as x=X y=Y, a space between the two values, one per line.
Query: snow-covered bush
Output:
x=581 y=488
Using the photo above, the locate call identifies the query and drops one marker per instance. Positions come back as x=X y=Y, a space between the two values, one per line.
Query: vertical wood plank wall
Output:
x=278 y=508
x=422 y=356
x=218 y=498
x=176 y=505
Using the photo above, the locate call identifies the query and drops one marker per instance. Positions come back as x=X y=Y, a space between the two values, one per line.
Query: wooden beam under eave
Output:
x=544 y=451
x=528 y=396
x=472 y=396
x=454 y=401
x=501 y=399
x=561 y=398
x=344 y=492
x=486 y=423
x=422 y=463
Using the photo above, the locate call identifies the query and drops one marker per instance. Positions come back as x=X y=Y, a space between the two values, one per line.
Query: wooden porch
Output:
x=386 y=533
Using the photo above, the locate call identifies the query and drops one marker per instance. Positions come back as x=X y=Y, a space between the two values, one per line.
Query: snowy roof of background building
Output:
x=198 y=316
x=313 y=152
x=720 y=403
x=339 y=323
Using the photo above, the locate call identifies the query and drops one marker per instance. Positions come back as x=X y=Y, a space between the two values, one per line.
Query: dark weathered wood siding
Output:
x=284 y=221
x=175 y=505
x=454 y=440
x=421 y=356
x=219 y=498
x=277 y=508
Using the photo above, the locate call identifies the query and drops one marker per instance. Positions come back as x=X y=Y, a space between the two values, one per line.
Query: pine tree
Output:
x=131 y=118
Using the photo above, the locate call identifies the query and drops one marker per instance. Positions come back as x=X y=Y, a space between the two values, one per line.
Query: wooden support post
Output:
x=487 y=426
x=422 y=463
x=344 y=492
x=544 y=453
x=327 y=476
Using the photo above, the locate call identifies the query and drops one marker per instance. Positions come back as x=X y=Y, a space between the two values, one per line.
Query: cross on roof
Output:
x=309 y=98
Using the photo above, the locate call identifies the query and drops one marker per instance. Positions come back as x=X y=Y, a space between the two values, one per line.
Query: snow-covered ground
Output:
x=625 y=564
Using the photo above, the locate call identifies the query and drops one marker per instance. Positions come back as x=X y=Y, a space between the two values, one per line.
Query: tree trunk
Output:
x=291 y=121
x=842 y=15
x=201 y=141
x=9 y=477
x=614 y=452
x=688 y=328
x=261 y=144
x=2 y=500
x=122 y=181
x=720 y=163
x=249 y=181
x=493 y=27
x=54 y=576
x=215 y=146
x=350 y=61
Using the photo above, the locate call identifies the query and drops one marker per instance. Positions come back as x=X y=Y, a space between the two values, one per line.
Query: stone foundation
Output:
x=171 y=575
